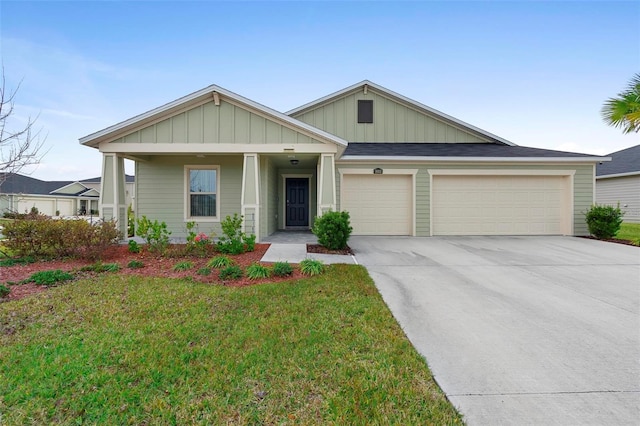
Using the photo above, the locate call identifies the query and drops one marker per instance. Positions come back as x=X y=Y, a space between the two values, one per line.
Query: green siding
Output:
x=392 y=122
x=161 y=189
x=582 y=187
x=209 y=123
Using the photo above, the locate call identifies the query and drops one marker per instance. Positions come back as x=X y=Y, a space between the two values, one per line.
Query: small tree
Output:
x=604 y=221
x=21 y=146
x=624 y=110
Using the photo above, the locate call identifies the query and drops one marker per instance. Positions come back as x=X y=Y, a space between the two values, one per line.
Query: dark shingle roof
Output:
x=384 y=149
x=128 y=178
x=625 y=161
x=20 y=184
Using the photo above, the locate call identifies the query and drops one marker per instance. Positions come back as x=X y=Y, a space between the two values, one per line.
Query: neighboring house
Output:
x=19 y=193
x=618 y=182
x=397 y=166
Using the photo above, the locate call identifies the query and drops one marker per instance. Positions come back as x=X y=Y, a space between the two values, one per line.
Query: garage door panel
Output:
x=499 y=205
x=378 y=204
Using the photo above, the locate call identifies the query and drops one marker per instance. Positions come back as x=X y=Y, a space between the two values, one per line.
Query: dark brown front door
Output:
x=297 y=192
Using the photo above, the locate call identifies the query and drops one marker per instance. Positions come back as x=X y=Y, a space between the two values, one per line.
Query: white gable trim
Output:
x=207 y=94
x=404 y=99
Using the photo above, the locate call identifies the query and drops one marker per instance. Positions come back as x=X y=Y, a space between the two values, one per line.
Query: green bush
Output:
x=134 y=247
x=135 y=264
x=204 y=271
x=311 y=267
x=41 y=236
x=49 y=277
x=233 y=240
x=4 y=291
x=183 y=266
x=282 y=269
x=256 y=271
x=333 y=230
x=131 y=222
x=198 y=243
x=604 y=221
x=219 y=262
x=101 y=267
x=233 y=272
x=155 y=233
x=17 y=261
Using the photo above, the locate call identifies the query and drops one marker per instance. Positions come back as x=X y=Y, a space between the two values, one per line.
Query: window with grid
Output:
x=202 y=197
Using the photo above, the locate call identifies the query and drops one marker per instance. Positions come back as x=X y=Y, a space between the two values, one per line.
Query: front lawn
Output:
x=121 y=349
x=629 y=231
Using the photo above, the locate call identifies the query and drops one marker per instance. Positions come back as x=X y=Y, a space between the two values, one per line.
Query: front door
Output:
x=297 y=209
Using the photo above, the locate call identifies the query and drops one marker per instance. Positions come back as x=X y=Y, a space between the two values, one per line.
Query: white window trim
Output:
x=187 y=198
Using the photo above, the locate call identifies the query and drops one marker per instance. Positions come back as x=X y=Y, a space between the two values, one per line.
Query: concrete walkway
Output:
x=291 y=246
x=519 y=330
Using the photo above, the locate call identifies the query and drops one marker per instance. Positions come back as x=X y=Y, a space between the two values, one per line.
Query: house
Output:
x=618 y=182
x=20 y=193
x=397 y=166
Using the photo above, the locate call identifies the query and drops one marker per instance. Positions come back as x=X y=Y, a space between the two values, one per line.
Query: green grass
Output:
x=131 y=350
x=629 y=231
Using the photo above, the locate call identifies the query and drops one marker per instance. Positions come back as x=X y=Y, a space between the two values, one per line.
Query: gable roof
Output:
x=210 y=92
x=401 y=99
x=623 y=163
x=457 y=151
x=14 y=183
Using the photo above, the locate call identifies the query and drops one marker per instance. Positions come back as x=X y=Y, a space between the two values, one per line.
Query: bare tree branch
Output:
x=18 y=148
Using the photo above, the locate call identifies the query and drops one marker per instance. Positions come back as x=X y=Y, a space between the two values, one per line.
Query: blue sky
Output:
x=535 y=73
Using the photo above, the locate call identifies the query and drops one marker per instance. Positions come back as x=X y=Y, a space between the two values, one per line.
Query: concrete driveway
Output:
x=519 y=330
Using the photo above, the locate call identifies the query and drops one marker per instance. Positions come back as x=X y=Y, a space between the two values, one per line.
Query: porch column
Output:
x=326 y=184
x=112 y=191
x=250 y=196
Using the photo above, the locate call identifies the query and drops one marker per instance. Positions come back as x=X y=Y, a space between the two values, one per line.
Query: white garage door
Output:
x=500 y=205
x=378 y=204
x=65 y=207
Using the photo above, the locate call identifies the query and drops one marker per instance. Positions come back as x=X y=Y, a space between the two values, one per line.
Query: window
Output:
x=365 y=111
x=202 y=192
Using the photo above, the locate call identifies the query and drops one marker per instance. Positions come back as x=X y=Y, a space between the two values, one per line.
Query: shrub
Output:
x=134 y=247
x=233 y=240
x=4 y=291
x=17 y=261
x=282 y=269
x=333 y=230
x=220 y=262
x=135 y=264
x=604 y=221
x=131 y=222
x=41 y=236
x=101 y=267
x=197 y=242
x=256 y=271
x=204 y=271
x=311 y=267
x=49 y=277
x=233 y=272
x=155 y=233
x=183 y=266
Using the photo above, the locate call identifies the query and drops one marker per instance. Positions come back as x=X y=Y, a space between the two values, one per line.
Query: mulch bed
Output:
x=154 y=266
x=612 y=240
x=317 y=248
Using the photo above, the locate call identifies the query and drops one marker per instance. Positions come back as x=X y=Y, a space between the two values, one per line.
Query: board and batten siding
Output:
x=582 y=187
x=623 y=190
x=161 y=190
x=208 y=123
x=392 y=122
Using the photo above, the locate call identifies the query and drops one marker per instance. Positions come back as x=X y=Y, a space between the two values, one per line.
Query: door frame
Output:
x=283 y=198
